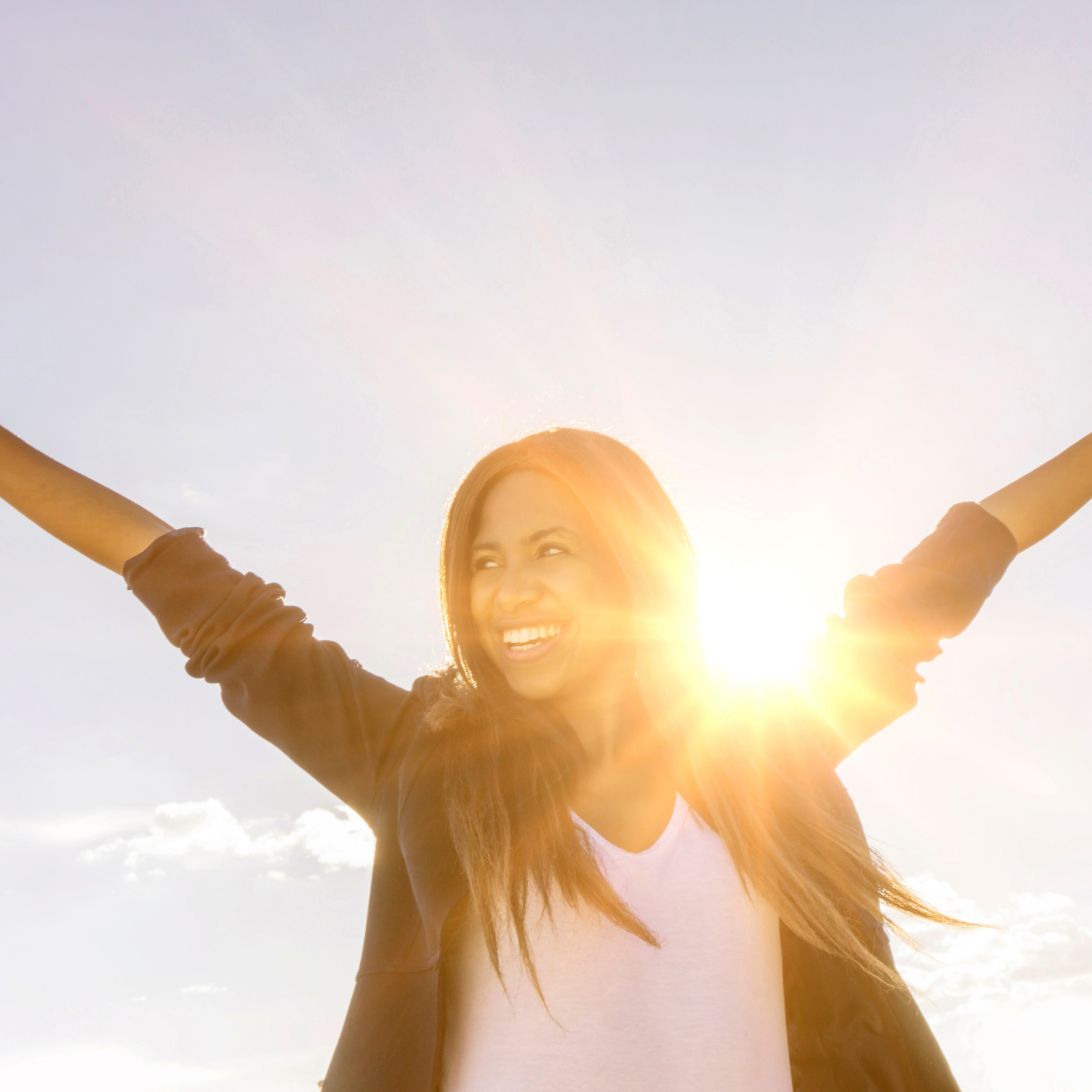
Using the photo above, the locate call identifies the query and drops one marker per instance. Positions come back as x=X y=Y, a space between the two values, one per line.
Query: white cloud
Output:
x=1010 y=1006
x=203 y=987
x=344 y=842
x=1039 y=950
x=203 y=834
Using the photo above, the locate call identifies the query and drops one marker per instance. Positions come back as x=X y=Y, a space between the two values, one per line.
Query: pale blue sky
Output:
x=284 y=271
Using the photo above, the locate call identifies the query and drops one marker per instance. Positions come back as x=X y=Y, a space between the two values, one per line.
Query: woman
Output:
x=592 y=869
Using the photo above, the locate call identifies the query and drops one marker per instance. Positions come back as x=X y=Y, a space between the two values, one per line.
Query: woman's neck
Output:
x=606 y=721
x=625 y=757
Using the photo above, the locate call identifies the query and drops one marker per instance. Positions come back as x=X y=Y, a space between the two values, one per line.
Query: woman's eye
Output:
x=543 y=551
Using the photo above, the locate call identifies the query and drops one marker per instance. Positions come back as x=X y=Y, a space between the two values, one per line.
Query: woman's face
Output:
x=546 y=599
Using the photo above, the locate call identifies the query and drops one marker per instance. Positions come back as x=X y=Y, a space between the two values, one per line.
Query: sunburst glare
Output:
x=755 y=628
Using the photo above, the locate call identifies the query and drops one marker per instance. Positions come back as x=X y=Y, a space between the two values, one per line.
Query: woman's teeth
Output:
x=528 y=637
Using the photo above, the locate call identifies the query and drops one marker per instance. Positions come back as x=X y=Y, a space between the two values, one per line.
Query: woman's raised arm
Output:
x=345 y=726
x=1037 y=504
x=862 y=672
x=96 y=521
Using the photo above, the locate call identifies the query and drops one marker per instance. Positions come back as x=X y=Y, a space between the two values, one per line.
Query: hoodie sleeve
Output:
x=340 y=723
x=862 y=671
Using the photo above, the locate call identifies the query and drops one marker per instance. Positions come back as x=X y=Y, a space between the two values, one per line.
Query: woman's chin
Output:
x=542 y=690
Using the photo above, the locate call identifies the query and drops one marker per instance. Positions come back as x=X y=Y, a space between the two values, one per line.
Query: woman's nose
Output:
x=516 y=589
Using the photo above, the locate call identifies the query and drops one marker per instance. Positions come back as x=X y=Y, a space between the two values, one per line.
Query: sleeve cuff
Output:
x=968 y=539
x=134 y=568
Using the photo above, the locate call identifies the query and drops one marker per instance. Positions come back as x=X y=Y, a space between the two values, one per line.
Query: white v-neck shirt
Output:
x=703 y=1012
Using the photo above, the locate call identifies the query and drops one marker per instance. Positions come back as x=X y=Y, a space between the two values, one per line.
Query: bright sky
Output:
x=285 y=271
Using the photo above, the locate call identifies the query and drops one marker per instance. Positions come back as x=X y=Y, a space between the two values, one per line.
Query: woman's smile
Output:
x=531 y=642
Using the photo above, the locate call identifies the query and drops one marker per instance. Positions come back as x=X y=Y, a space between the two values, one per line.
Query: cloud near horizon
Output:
x=1039 y=952
x=202 y=835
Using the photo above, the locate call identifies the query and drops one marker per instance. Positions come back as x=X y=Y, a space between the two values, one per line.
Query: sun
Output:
x=756 y=624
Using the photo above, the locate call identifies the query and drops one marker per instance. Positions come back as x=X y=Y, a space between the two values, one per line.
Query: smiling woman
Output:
x=607 y=725
x=590 y=870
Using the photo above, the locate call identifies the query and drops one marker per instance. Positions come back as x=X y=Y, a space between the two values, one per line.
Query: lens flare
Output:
x=754 y=630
